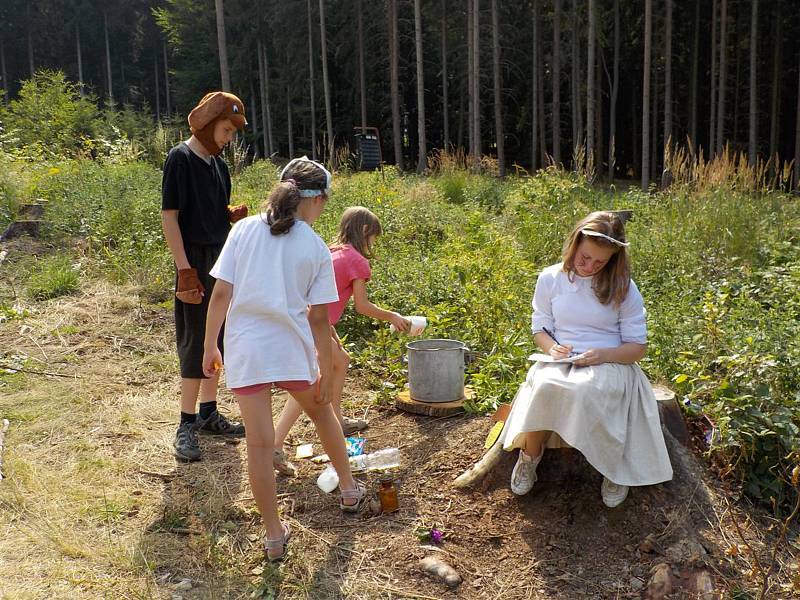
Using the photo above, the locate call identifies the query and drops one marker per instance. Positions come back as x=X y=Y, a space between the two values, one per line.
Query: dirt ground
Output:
x=94 y=505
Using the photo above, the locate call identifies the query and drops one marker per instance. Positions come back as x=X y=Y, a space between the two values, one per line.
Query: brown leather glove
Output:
x=236 y=212
x=190 y=289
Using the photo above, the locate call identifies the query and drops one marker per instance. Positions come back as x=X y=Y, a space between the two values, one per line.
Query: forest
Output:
x=600 y=84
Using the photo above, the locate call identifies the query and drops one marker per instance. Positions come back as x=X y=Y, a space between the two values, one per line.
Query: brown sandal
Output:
x=279 y=543
x=281 y=464
x=359 y=494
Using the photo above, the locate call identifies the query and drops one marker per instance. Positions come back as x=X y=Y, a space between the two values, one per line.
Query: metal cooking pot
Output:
x=436 y=370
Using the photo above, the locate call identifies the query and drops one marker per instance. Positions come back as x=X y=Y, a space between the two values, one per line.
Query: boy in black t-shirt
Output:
x=196 y=219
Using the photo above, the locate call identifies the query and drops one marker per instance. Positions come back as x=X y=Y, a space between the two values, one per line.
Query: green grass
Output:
x=719 y=269
x=54 y=277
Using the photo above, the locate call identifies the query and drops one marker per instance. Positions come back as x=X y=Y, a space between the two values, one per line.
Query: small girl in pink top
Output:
x=358 y=230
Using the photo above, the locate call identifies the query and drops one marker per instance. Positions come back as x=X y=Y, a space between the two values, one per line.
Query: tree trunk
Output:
x=313 y=100
x=422 y=160
x=612 y=118
x=476 y=65
x=540 y=86
x=394 y=85
x=253 y=110
x=693 y=82
x=712 y=121
x=326 y=86
x=80 y=57
x=723 y=74
x=739 y=27
x=471 y=76
x=445 y=101
x=108 y=60
x=797 y=138
x=3 y=73
x=654 y=127
x=776 y=79
x=751 y=146
x=155 y=81
x=557 y=81
x=498 y=106
x=575 y=91
x=262 y=85
x=668 y=75
x=598 y=107
x=30 y=38
x=223 y=46
x=535 y=90
x=167 y=99
x=362 y=84
x=289 y=129
x=648 y=40
x=590 y=82
x=267 y=105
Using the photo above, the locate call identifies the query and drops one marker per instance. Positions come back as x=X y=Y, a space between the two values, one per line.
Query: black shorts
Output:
x=190 y=319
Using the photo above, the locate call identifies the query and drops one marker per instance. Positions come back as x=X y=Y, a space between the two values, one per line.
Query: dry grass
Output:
x=94 y=505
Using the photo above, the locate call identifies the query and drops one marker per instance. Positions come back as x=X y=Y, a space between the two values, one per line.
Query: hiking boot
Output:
x=219 y=425
x=613 y=494
x=524 y=474
x=186 y=444
x=351 y=426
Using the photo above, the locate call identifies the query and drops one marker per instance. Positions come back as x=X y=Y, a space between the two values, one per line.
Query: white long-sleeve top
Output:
x=571 y=311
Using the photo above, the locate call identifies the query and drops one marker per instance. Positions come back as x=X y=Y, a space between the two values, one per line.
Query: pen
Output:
x=545 y=330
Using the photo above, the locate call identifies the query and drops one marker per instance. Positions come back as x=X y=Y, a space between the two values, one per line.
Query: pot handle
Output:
x=469 y=356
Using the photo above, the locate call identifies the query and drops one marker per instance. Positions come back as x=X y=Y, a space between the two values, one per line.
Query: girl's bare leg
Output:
x=534 y=441
x=330 y=434
x=256 y=412
x=292 y=410
x=341 y=361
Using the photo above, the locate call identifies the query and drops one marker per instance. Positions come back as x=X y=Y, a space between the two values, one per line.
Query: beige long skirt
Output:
x=608 y=412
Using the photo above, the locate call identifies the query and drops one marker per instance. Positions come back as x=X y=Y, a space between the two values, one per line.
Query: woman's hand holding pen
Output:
x=559 y=351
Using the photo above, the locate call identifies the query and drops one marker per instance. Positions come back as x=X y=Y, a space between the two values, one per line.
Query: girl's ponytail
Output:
x=300 y=178
x=283 y=202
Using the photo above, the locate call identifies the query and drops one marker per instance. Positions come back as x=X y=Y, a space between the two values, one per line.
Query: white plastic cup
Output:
x=418 y=325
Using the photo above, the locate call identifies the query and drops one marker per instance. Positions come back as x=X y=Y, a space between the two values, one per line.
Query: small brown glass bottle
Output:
x=388 y=496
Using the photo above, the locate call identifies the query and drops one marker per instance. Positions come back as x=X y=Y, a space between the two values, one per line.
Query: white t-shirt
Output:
x=571 y=311
x=275 y=278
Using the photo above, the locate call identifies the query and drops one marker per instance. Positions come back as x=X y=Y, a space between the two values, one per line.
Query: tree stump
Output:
x=31 y=227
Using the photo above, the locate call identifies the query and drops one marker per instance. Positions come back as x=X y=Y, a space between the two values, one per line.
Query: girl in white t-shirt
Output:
x=588 y=309
x=274 y=280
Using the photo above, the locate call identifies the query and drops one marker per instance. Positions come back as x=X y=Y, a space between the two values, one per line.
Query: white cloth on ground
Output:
x=275 y=278
x=608 y=412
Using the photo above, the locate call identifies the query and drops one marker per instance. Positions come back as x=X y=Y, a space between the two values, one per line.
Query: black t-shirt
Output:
x=199 y=191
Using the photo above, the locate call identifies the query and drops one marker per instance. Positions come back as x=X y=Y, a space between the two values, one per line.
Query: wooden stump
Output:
x=406 y=403
x=18 y=228
x=33 y=211
x=671 y=414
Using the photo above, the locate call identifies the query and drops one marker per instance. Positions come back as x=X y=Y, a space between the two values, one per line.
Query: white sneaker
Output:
x=524 y=474
x=613 y=494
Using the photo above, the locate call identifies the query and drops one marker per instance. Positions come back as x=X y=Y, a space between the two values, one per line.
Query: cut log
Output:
x=406 y=403
x=18 y=228
x=32 y=211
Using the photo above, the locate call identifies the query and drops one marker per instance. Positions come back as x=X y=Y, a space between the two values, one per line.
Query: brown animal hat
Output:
x=215 y=107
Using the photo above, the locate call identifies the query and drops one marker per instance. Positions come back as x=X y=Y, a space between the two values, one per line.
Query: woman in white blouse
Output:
x=588 y=309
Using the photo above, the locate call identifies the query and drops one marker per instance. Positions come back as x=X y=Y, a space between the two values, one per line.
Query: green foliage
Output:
x=719 y=270
x=50 y=118
x=54 y=277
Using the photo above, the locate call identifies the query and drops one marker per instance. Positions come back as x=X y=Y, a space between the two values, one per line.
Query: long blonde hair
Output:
x=611 y=284
x=356 y=227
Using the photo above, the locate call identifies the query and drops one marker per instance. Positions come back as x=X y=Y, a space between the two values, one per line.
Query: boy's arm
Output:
x=321 y=330
x=172 y=234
